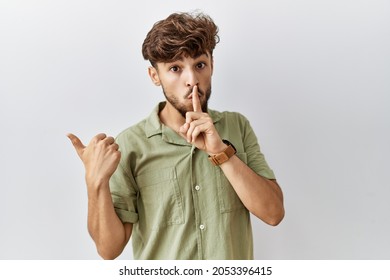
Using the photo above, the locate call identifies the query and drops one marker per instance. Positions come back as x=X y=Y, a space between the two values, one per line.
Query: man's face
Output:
x=179 y=77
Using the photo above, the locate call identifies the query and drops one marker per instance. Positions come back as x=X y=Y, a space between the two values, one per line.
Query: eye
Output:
x=201 y=65
x=174 y=68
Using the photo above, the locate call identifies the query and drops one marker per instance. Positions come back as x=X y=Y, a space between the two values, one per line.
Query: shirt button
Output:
x=201 y=227
x=197 y=188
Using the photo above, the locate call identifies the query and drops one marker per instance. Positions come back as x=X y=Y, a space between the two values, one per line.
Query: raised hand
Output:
x=100 y=158
x=199 y=128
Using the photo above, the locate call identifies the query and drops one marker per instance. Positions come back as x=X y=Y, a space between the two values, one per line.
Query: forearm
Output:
x=104 y=226
x=261 y=196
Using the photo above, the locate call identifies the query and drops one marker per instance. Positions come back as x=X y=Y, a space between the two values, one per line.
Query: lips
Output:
x=190 y=95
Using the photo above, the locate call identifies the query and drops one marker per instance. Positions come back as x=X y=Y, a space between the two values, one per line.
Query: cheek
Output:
x=172 y=81
x=206 y=82
x=173 y=88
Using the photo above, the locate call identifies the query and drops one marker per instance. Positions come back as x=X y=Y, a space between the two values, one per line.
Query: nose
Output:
x=191 y=78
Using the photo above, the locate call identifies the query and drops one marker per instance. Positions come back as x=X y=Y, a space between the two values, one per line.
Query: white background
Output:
x=313 y=77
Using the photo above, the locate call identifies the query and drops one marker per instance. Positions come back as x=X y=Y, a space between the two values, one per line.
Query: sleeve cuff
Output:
x=127 y=216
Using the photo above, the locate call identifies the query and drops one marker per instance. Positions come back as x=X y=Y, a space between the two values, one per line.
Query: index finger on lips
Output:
x=195 y=100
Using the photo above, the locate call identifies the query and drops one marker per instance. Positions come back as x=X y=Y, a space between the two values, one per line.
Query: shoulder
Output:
x=137 y=128
x=228 y=117
x=142 y=130
x=132 y=138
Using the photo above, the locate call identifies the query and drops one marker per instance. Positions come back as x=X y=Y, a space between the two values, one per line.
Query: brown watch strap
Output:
x=224 y=156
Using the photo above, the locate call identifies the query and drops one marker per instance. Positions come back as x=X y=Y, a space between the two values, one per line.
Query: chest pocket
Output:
x=160 y=201
x=228 y=198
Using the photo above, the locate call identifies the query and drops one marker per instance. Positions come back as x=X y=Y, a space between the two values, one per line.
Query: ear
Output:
x=153 y=74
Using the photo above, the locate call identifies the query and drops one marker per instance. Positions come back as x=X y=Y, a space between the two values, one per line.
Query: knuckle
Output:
x=117 y=155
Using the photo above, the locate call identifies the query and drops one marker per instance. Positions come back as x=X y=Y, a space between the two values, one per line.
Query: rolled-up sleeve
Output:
x=124 y=195
x=255 y=158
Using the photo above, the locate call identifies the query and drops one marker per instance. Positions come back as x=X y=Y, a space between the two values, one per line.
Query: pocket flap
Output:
x=155 y=177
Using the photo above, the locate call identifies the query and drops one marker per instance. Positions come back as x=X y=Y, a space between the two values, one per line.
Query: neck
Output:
x=170 y=117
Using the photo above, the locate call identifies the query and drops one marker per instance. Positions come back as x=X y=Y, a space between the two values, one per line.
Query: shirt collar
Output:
x=153 y=125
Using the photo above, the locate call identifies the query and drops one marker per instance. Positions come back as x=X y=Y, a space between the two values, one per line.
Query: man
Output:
x=186 y=178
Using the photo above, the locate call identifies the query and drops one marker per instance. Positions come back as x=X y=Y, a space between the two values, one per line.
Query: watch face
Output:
x=221 y=158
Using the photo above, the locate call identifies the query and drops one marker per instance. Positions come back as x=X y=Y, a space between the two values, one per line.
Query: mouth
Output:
x=189 y=94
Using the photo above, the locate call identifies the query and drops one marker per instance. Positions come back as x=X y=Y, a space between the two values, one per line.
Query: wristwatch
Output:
x=224 y=156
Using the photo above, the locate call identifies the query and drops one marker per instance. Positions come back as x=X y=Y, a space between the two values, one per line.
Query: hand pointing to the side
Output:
x=100 y=157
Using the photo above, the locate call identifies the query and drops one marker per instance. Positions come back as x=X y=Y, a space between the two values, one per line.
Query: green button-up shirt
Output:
x=180 y=205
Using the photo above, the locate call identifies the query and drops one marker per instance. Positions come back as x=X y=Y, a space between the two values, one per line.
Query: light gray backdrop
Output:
x=313 y=77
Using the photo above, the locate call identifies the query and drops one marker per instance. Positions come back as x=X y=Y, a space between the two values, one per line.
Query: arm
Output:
x=101 y=158
x=106 y=229
x=262 y=197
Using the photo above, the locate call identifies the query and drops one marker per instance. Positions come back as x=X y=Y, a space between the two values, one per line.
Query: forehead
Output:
x=201 y=56
x=187 y=59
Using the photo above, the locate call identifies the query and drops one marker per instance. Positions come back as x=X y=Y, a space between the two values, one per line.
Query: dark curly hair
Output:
x=180 y=34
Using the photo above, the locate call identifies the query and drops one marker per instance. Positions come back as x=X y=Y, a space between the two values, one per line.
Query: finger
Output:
x=79 y=146
x=183 y=131
x=195 y=129
x=109 y=140
x=192 y=116
x=99 y=137
x=195 y=100
x=115 y=146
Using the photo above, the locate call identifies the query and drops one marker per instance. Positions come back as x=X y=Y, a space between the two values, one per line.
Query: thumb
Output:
x=78 y=145
x=183 y=131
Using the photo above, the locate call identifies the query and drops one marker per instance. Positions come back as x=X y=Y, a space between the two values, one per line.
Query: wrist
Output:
x=94 y=182
x=225 y=155
x=222 y=147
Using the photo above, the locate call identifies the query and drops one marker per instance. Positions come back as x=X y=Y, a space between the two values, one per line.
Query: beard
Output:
x=181 y=107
